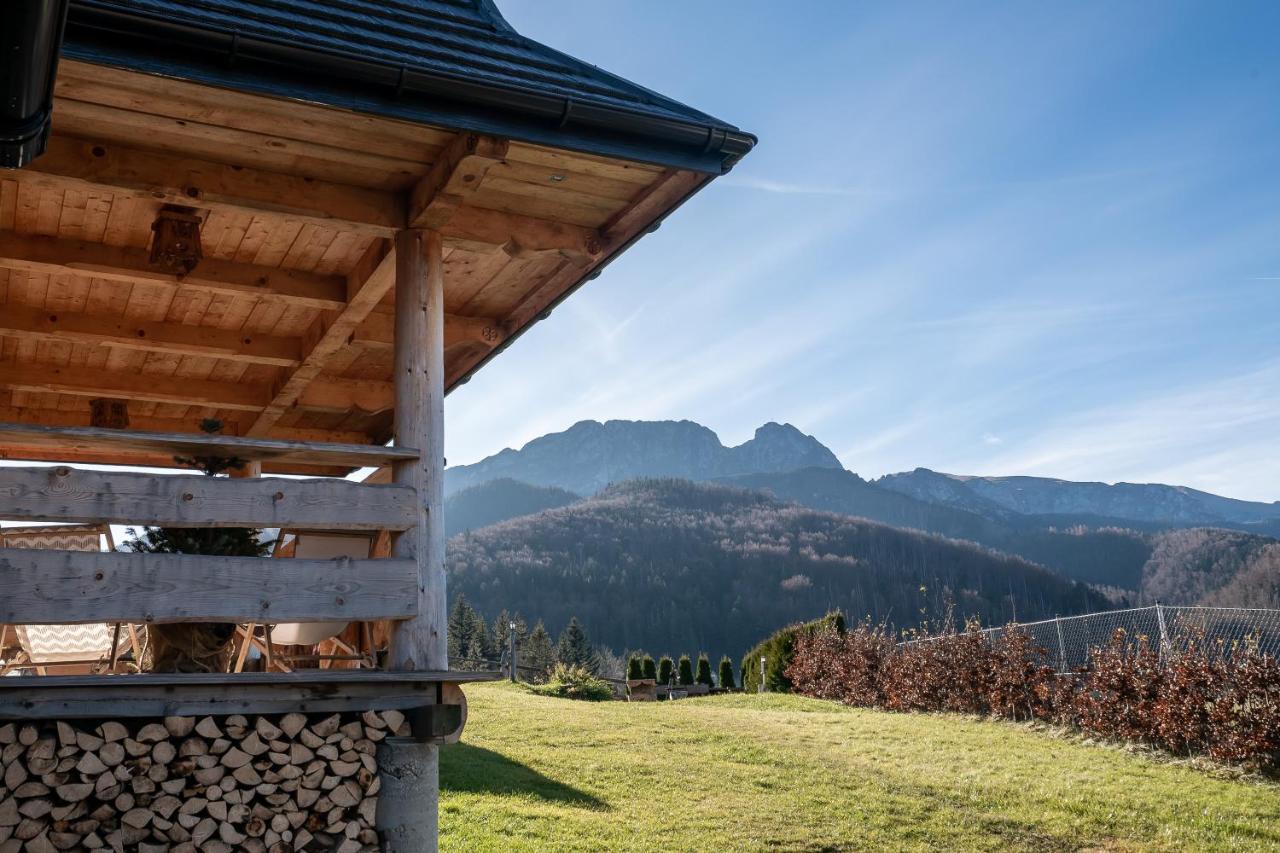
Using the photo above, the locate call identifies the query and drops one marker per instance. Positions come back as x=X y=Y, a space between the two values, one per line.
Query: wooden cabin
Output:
x=308 y=221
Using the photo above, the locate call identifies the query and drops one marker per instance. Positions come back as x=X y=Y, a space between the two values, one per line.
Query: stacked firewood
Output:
x=187 y=784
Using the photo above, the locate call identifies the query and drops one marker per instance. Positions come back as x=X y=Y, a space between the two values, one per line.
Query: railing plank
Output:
x=69 y=494
x=69 y=587
x=15 y=437
x=56 y=697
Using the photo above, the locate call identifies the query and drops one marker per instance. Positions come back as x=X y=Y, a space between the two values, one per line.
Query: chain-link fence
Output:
x=1068 y=639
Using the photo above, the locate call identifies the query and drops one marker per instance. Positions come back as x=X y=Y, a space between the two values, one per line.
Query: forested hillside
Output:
x=498 y=500
x=1214 y=567
x=1096 y=553
x=674 y=565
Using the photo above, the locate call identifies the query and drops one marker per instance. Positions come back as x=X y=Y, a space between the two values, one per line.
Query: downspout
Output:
x=30 y=40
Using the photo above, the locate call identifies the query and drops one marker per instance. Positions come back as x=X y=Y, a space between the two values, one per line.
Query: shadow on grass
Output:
x=473 y=770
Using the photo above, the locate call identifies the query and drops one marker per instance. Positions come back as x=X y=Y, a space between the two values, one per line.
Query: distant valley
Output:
x=1133 y=543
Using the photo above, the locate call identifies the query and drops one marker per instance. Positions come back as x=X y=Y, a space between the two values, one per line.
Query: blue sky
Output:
x=981 y=238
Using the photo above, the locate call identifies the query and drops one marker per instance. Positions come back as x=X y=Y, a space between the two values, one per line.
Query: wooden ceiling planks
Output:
x=300 y=193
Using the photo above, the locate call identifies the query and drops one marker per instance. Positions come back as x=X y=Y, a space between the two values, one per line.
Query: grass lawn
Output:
x=783 y=772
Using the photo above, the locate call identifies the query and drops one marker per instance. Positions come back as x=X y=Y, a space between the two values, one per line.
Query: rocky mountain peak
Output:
x=590 y=455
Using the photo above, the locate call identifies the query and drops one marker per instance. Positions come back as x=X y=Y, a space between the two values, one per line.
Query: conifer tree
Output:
x=463 y=619
x=538 y=655
x=726 y=673
x=704 y=670
x=666 y=668
x=685 y=671
x=650 y=670
x=635 y=669
x=574 y=649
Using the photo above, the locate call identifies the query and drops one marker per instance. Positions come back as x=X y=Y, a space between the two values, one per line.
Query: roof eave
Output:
x=224 y=58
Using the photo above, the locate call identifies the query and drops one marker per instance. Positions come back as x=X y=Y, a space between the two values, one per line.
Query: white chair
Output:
x=308 y=545
x=89 y=647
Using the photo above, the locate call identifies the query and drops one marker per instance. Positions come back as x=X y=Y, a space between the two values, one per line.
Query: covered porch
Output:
x=307 y=225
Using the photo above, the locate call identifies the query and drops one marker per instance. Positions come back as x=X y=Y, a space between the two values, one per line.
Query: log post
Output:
x=407 y=810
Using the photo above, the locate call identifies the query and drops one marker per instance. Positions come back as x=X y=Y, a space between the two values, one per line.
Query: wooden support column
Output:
x=420 y=643
x=408 y=807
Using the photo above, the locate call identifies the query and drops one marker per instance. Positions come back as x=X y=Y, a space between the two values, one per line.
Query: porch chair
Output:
x=326 y=642
x=68 y=648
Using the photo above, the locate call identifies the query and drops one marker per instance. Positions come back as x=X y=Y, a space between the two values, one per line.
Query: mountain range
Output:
x=1135 y=543
x=590 y=455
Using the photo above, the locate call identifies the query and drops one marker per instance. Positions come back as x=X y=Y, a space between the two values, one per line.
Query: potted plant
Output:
x=640 y=688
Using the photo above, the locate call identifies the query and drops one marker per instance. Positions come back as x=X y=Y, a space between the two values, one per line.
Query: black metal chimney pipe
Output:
x=30 y=40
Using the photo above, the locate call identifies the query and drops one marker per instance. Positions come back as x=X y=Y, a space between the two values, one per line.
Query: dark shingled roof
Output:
x=455 y=63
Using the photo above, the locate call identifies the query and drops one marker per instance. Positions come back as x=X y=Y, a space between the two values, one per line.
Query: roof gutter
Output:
x=30 y=40
x=707 y=140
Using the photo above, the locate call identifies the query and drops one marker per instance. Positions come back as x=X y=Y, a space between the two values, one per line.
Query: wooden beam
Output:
x=478 y=229
x=64 y=494
x=54 y=256
x=72 y=587
x=171 y=444
x=456 y=174
x=84 y=381
x=75 y=164
x=440 y=202
x=57 y=697
x=23 y=323
x=372 y=278
x=378 y=330
x=332 y=394
x=420 y=643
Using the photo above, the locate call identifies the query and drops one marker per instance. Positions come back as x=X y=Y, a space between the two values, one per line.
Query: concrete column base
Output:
x=408 y=817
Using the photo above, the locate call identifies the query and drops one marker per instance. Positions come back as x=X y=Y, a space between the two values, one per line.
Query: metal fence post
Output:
x=1062 y=646
x=1164 y=636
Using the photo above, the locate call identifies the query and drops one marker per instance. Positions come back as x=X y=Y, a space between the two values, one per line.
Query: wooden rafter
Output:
x=53 y=256
x=440 y=202
x=73 y=164
x=378 y=331
x=23 y=323
x=326 y=394
x=456 y=174
x=372 y=279
x=38 y=324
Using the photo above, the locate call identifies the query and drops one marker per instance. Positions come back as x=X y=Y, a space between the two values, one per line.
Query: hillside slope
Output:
x=498 y=500
x=673 y=565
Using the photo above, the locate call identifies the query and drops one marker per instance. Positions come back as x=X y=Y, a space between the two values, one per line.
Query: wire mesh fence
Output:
x=1067 y=640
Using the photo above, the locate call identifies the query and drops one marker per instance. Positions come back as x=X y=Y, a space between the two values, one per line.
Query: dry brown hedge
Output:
x=1195 y=698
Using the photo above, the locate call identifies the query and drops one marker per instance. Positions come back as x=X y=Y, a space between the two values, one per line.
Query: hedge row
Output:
x=1197 y=698
x=777 y=650
x=642 y=666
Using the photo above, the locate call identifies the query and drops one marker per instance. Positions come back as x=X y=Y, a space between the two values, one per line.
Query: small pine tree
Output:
x=666 y=667
x=704 y=670
x=726 y=673
x=463 y=620
x=650 y=669
x=501 y=634
x=635 y=669
x=197 y=646
x=538 y=654
x=479 y=645
x=574 y=649
x=686 y=671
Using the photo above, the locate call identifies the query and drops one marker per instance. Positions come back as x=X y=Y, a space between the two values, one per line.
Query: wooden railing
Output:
x=44 y=586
